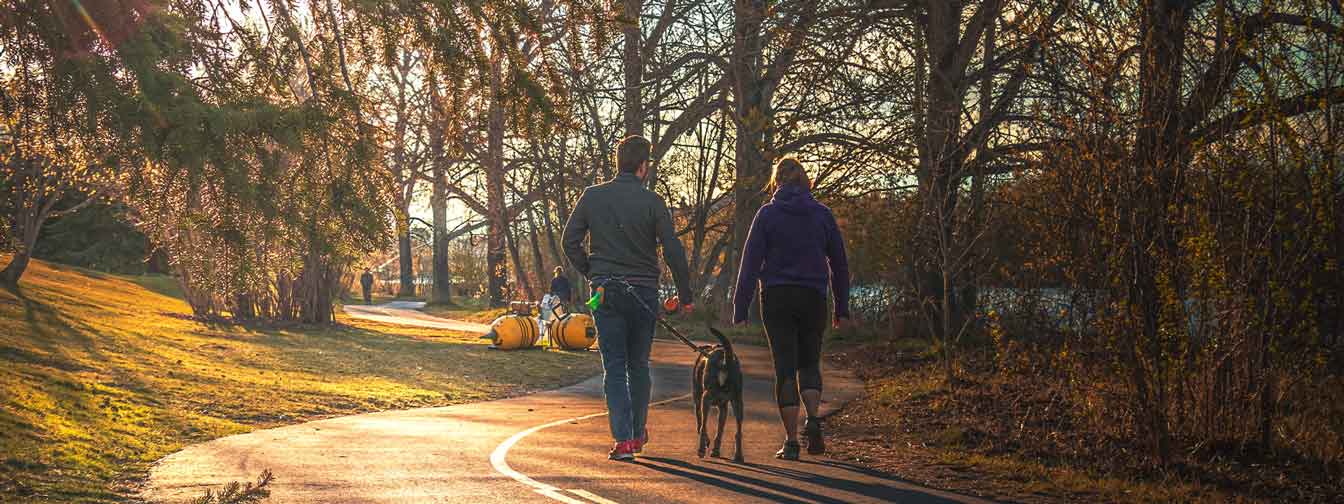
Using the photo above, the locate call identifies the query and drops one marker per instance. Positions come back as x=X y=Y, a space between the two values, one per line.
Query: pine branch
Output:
x=236 y=493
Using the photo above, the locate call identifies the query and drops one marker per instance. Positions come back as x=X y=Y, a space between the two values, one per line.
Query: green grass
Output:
x=102 y=375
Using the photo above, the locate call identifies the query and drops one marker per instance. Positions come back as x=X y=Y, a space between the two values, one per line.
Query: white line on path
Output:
x=592 y=496
x=498 y=459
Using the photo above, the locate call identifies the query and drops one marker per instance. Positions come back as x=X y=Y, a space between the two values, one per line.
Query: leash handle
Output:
x=596 y=300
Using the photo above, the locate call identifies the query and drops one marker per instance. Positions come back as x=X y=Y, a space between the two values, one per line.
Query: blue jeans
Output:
x=625 y=337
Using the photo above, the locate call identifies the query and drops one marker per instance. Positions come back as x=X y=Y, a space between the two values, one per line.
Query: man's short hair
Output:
x=632 y=151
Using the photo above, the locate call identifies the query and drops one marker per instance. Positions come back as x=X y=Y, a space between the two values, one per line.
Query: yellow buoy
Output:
x=573 y=331
x=513 y=332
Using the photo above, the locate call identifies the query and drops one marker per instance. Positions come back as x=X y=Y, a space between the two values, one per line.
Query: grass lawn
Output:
x=102 y=375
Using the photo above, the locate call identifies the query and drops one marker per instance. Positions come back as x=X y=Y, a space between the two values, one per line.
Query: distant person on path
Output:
x=560 y=288
x=626 y=223
x=794 y=250
x=366 y=283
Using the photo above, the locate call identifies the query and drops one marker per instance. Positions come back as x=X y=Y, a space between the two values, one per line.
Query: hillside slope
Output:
x=102 y=375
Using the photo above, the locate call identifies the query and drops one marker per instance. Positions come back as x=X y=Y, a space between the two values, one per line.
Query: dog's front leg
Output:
x=718 y=438
x=737 y=413
x=703 y=419
x=699 y=425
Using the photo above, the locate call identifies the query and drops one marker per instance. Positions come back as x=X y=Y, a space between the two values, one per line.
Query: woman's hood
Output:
x=794 y=199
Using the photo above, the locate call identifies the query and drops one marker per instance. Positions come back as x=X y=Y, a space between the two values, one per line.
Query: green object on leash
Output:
x=596 y=300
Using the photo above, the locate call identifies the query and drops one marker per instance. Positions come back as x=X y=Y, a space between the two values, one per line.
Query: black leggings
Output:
x=795 y=319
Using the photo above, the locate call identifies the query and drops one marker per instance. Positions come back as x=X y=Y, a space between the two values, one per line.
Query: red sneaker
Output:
x=642 y=440
x=624 y=450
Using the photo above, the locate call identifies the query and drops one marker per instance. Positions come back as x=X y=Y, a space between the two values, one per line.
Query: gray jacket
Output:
x=626 y=222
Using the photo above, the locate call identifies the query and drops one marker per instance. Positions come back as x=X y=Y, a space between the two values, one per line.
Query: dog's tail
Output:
x=723 y=340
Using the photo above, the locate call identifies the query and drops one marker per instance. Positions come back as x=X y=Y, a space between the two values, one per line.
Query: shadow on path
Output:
x=732 y=477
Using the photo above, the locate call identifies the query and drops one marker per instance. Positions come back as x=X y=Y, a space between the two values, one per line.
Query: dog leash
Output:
x=630 y=289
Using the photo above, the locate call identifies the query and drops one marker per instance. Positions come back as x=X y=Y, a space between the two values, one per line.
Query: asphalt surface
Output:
x=548 y=447
x=408 y=313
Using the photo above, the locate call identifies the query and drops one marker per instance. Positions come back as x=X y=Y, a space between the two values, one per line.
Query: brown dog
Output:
x=717 y=382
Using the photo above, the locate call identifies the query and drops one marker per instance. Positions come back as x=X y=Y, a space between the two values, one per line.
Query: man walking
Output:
x=366 y=282
x=626 y=223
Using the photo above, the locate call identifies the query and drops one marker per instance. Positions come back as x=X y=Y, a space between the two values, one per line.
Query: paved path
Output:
x=548 y=447
x=408 y=313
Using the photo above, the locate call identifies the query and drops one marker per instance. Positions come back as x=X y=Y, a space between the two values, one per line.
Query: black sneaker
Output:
x=812 y=429
x=789 y=451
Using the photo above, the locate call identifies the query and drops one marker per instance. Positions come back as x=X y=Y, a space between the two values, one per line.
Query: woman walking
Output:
x=794 y=251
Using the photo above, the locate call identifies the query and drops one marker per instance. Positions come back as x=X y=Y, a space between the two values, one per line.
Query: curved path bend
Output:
x=546 y=448
x=408 y=313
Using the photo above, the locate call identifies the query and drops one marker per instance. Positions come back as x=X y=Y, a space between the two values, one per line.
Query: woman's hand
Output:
x=674 y=305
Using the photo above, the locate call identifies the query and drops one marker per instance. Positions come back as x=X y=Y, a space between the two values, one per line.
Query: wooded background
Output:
x=1142 y=189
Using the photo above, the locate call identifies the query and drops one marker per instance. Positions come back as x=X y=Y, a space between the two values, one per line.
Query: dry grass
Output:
x=1017 y=437
x=102 y=375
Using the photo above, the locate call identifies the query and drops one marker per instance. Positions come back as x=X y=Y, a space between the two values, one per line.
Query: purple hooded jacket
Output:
x=794 y=240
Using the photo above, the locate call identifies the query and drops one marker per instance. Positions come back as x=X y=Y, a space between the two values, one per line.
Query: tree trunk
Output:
x=579 y=285
x=405 y=177
x=407 y=273
x=1156 y=152
x=632 y=63
x=318 y=281
x=29 y=223
x=969 y=293
x=441 y=291
x=14 y=270
x=939 y=169
x=201 y=302
x=700 y=217
x=548 y=227
x=284 y=296
x=719 y=289
x=707 y=270
x=519 y=272
x=751 y=165
x=497 y=221
x=535 y=244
